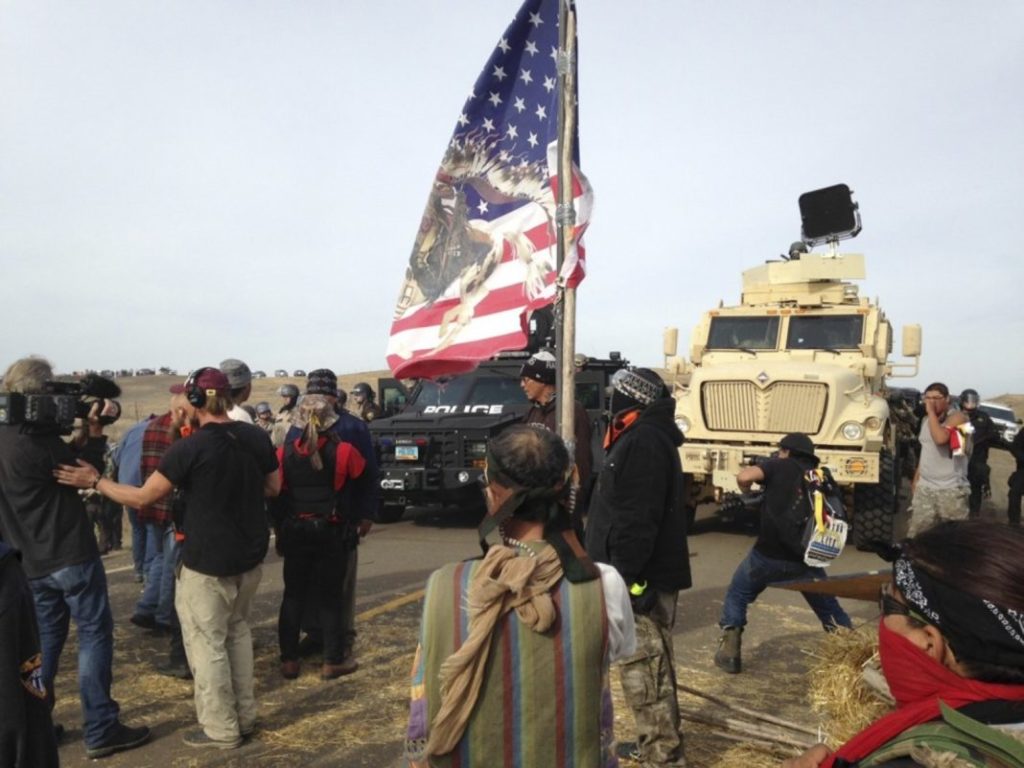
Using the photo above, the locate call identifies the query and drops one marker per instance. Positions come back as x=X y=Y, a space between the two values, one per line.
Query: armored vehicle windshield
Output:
x=825 y=332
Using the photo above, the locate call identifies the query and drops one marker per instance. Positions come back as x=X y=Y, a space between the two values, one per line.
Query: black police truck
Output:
x=432 y=441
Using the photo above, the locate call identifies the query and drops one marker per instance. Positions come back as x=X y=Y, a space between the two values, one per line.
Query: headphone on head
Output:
x=195 y=394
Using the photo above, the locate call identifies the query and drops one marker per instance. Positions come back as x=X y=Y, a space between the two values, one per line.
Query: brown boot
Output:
x=289 y=669
x=728 y=655
x=334 y=671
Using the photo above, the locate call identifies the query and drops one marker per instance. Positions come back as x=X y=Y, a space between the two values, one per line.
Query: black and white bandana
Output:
x=977 y=629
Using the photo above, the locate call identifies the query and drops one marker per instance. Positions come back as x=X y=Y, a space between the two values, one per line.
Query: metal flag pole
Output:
x=565 y=300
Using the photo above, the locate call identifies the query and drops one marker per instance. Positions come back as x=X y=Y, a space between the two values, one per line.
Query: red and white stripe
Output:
x=499 y=319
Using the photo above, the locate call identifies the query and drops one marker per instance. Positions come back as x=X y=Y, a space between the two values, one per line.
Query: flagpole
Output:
x=565 y=302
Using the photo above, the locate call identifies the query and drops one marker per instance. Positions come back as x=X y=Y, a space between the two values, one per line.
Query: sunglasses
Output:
x=890 y=606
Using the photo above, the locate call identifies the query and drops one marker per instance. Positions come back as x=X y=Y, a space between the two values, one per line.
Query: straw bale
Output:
x=837 y=690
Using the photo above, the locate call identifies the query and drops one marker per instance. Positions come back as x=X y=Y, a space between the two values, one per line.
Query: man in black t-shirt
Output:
x=224 y=469
x=777 y=554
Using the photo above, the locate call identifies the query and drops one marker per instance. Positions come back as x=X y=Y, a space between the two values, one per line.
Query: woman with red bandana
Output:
x=951 y=644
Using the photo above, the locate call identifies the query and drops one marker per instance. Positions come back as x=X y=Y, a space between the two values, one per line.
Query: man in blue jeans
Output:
x=127 y=457
x=48 y=523
x=777 y=554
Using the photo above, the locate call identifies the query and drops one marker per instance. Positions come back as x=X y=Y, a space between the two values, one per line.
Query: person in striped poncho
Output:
x=512 y=663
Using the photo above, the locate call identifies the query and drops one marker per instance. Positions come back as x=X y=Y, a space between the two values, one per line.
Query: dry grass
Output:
x=838 y=692
x=143 y=395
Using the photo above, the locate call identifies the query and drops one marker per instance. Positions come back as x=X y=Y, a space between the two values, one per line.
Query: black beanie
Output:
x=635 y=388
x=540 y=367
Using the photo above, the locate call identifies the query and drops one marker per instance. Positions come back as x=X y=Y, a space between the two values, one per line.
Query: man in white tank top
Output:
x=940 y=484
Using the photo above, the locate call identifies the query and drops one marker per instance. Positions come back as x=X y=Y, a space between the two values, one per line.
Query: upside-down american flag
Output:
x=485 y=253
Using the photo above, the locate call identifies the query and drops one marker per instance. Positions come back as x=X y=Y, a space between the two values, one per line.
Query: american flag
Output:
x=485 y=254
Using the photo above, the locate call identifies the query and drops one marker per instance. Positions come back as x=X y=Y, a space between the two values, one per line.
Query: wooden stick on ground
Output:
x=742 y=726
x=747 y=711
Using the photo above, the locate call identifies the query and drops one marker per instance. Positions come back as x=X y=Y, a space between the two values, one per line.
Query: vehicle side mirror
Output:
x=670 y=342
x=912 y=340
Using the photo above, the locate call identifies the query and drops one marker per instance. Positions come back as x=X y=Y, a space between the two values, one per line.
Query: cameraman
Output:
x=49 y=524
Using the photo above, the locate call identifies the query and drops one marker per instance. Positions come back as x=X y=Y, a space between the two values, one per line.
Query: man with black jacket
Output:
x=637 y=523
x=49 y=525
x=777 y=553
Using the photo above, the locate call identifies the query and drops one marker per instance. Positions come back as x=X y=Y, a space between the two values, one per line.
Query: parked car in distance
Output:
x=299 y=372
x=107 y=373
x=144 y=372
x=259 y=374
x=1005 y=419
x=280 y=372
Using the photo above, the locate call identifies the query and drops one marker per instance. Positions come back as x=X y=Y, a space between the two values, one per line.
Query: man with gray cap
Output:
x=637 y=523
x=777 y=555
x=240 y=379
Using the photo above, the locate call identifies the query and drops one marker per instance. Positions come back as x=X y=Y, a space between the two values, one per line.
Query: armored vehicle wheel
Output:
x=390 y=513
x=875 y=506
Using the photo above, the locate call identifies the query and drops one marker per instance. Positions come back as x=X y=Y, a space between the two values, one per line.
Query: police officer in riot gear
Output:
x=985 y=436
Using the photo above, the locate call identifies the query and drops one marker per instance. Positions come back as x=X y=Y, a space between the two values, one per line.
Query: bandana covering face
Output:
x=976 y=629
x=918 y=683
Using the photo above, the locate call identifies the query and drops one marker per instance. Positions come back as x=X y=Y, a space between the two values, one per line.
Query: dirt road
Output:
x=359 y=721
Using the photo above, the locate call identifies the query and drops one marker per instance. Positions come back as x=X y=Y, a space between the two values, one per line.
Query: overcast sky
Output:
x=186 y=181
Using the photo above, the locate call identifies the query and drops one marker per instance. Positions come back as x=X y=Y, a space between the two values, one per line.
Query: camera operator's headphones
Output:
x=195 y=394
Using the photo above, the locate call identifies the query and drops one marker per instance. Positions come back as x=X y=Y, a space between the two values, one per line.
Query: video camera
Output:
x=56 y=408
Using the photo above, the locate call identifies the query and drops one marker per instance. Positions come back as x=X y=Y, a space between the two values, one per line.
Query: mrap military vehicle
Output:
x=801 y=352
x=432 y=450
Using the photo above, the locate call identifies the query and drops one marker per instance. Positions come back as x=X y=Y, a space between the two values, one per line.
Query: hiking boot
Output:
x=175 y=668
x=160 y=630
x=289 y=669
x=199 y=739
x=248 y=733
x=334 y=671
x=121 y=739
x=144 y=621
x=728 y=655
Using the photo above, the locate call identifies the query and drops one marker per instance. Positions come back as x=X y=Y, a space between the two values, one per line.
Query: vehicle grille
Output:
x=785 y=406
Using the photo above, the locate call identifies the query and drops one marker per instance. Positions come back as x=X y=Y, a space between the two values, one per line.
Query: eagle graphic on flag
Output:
x=485 y=253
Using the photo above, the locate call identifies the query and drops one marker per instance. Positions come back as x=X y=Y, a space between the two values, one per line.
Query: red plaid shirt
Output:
x=155 y=442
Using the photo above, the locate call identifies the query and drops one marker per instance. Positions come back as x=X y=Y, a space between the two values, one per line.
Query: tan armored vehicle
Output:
x=801 y=352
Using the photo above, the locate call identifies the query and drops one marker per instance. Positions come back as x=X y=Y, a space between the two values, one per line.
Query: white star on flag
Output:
x=484 y=255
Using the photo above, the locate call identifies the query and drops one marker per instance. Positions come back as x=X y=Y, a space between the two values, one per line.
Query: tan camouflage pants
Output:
x=931 y=506
x=649 y=685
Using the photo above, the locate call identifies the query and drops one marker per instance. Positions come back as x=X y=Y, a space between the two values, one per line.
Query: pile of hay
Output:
x=837 y=688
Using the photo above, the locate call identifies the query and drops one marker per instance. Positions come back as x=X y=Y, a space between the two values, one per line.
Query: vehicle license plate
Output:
x=407 y=452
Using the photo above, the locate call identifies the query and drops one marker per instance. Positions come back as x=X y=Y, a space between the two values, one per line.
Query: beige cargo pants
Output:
x=214 y=616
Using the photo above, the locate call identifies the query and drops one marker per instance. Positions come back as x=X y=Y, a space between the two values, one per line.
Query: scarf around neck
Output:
x=918 y=683
x=505 y=581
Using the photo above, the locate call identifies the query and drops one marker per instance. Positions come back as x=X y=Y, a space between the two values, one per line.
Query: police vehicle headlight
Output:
x=684 y=424
x=852 y=430
x=463 y=476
